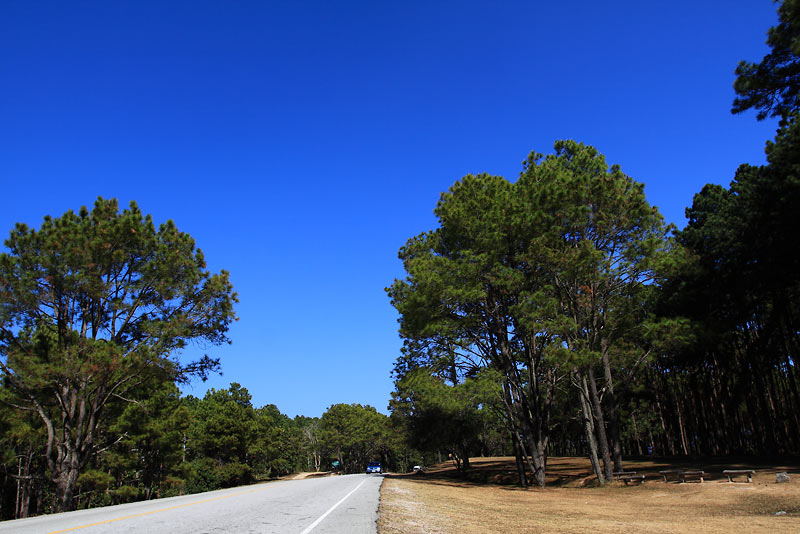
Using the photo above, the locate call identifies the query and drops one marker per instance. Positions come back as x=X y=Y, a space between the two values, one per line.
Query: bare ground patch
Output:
x=310 y=474
x=438 y=503
x=402 y=511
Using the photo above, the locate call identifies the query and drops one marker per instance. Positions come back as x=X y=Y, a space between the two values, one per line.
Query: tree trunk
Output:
x=723 y=424
x=19 y=489
x=511 y=424
x=669 y=440
x=65 y=483
x=538 y=456
x=790 y=372
x=613 y=419
x=601 y=426
x=523 y=478
x=681 y=426
x=762 y=401
x=27 y=486
x=588 y=427
x=535 y=453
x=636 y=437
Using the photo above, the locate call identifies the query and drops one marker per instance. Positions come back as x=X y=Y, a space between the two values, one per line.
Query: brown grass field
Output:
x=487 y=501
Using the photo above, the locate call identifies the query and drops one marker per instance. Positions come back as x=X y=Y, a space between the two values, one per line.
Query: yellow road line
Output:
x=156 y=511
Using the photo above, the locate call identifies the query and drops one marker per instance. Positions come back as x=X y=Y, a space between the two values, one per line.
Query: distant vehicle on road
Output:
x=374 y=467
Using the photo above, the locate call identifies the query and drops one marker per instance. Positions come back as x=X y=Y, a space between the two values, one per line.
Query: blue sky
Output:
x=302 y=143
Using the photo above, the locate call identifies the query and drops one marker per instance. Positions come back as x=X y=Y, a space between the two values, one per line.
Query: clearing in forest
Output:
x=438 y=501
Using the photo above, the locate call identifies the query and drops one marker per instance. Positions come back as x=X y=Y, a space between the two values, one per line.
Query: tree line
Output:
x=95 y=308
x=561 y=311
x=166 y=445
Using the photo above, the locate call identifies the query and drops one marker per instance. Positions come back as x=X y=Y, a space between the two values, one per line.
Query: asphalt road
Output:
x=331 y=505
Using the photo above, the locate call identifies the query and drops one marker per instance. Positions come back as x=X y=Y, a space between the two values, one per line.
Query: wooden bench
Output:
x=730 y=473
x=699 y=474
x=669 y=472
x=680 y=474
x=619 y=474
x=631 y=478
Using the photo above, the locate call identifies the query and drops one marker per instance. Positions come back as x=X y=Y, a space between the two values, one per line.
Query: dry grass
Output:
x=436 y=502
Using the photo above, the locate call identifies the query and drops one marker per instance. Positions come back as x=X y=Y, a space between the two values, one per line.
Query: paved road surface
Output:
x=331 y=505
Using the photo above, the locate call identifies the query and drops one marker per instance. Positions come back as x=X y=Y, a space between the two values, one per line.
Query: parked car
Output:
x=374 y=467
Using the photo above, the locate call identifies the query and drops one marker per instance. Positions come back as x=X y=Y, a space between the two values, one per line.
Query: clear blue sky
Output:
x=301 y=143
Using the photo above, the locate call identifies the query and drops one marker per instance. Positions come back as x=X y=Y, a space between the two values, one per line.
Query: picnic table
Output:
x=730 y=473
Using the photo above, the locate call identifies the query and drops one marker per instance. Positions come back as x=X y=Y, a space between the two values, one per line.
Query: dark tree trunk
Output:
x=528 y=410
x=637 y=439
x=65 y=489
x=513 y=427
x=523 y=478
x=669 y=441
x=681 y=424
x=588 y=427
x=27 y=486
x=602 y=439
x=613 y=419
x=539 y=458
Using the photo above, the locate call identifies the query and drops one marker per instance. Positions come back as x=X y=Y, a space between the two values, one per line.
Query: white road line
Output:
x=313 y=525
